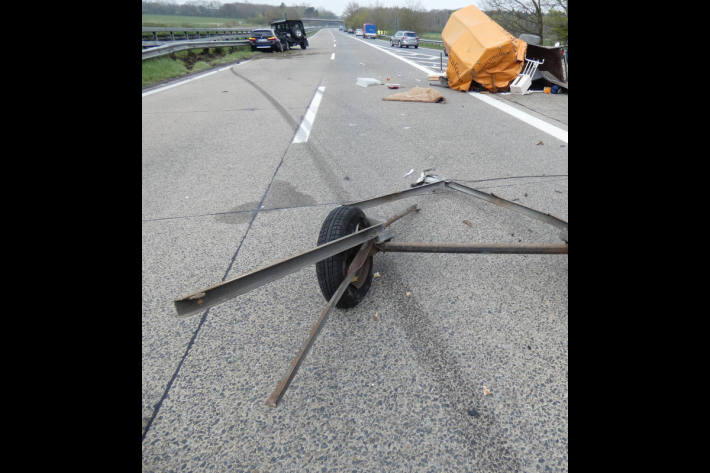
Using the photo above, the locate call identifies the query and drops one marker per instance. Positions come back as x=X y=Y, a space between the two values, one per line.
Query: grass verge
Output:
x=183 y=63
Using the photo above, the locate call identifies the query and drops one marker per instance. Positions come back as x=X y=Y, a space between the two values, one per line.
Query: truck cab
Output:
x=369 y=30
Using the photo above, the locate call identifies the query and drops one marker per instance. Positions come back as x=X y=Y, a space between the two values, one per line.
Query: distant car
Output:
x=350 y=30
x=404 y=38
x=291 y=32
x=358 y=32
x=266 y=39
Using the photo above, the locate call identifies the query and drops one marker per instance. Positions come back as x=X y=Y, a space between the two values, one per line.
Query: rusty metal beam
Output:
x=283 y=385
x=479 y=248
x=219 y=293
x=494 y=199
x=385 y=199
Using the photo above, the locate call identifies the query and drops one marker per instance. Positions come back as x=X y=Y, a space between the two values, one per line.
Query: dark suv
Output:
x=266 y=39
x=291 y=32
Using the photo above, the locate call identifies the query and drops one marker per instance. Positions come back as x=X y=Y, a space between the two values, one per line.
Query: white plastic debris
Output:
x=367 y=81
x=410 y=171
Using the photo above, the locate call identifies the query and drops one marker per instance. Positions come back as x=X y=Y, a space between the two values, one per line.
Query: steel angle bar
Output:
x=480 y=248
x=201 y=300
x=385 y=199
x=547 y=218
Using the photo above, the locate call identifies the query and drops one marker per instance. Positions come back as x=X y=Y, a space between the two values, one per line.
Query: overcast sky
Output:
x=338 y=6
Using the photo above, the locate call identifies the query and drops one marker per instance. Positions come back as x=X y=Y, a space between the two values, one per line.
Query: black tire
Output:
x=415 y=47
x=303 y=45
x=340 y=222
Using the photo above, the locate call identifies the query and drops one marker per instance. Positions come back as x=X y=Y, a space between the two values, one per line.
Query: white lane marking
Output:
x=558 y=133
x=332 y=56
x=175 y=84
x=304 y=130
x=411 y=63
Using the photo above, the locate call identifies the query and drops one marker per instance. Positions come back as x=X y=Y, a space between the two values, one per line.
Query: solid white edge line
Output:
x=411 y=63
x=542 y=125
x=304 y=129
x=175 y=84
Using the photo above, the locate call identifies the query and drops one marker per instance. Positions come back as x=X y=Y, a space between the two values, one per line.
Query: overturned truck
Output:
x=483 y=54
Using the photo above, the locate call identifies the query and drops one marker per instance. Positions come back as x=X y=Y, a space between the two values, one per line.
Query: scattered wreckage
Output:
x=347 y=243
x=483 y=55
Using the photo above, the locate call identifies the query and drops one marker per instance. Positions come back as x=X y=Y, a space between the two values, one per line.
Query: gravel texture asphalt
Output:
x=466 y=373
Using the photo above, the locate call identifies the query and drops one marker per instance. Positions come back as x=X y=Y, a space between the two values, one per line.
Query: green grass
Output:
x=186 y=62
x=191 y=21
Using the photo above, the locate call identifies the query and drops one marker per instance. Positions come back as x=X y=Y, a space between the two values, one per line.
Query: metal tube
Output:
x=481 y=248
x=411 y=209
x=357 y=262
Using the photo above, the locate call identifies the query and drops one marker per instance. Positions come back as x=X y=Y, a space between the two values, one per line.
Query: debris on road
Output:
x=410 y=171
x=367 y=81
x=483 y=55
x=408 y=294
x=439 y=81
x=468 y=222
x=417 y=94
x=540 y=143
x=486 y=391
x=376 y=316
x=393 y=86
x=376 y=275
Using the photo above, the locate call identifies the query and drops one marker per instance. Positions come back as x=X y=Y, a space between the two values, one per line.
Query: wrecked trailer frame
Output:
x=370 y=240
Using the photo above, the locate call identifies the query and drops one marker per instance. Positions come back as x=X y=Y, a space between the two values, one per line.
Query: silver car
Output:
x=404 y=38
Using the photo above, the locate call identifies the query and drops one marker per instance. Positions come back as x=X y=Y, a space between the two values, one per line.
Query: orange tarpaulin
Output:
x=480 y=50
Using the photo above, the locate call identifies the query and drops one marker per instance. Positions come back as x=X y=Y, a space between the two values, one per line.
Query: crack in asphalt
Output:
x=340 y=192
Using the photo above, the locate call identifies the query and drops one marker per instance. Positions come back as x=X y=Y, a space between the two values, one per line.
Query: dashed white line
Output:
x=332 y=56
x=304 y=130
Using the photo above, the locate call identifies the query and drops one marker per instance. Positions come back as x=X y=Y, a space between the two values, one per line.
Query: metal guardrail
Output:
x=196 y=32
x=175 y=46
x=158 y=48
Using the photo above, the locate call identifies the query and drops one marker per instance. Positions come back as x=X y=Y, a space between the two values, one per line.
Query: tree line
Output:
x=254 y=13
x=545 y=18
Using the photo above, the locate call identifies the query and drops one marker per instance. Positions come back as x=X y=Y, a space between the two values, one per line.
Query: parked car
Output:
x=266 y=39
x=291 y=32
x=404 y=38
x=350 y=30
x=358 y=32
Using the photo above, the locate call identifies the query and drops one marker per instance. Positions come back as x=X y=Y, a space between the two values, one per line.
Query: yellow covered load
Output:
x=480 y=50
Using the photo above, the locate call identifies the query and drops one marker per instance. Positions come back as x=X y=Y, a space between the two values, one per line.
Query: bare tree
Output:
x=518 y=16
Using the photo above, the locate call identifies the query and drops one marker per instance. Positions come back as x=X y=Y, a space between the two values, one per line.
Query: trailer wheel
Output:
x=340 y=222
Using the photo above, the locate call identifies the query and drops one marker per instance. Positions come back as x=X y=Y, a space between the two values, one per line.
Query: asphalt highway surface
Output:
x=450 y=363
